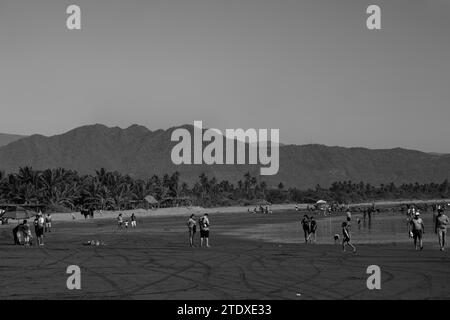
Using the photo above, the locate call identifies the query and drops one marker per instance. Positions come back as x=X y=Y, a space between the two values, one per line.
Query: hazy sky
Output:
x=310 y=68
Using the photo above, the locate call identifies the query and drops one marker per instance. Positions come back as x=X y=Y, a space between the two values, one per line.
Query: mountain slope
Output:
x=141 y=153
x=8 y=138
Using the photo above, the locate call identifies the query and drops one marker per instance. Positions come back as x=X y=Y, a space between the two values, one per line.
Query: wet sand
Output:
x=154 y=262
x=382 y=228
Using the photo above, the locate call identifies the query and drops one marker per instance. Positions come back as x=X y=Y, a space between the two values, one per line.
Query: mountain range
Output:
x=140 y=152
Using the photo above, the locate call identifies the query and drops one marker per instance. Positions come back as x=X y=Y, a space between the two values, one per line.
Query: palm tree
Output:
x=204 y=183
x=28 y=175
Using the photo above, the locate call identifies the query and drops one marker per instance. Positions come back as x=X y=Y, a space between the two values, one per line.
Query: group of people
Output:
x=417 y=227
x=123 y=223
x=22 y=232
x=203 y=222
x=309 y=225
x=261 y=209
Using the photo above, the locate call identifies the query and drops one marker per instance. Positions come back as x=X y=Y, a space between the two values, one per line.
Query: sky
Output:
x=310 y=68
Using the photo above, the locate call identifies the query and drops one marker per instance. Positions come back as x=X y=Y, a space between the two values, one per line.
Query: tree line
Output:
x=62 y=189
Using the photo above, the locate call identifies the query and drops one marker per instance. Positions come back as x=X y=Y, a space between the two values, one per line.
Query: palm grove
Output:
x=62 y=189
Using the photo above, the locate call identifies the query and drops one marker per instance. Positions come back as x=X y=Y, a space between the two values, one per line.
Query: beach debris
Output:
x=94 y=243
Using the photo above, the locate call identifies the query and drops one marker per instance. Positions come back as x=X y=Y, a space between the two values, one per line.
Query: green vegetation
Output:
x=62 y=189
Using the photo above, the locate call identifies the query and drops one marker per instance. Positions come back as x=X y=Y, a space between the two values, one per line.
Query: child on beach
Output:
x=336 y=238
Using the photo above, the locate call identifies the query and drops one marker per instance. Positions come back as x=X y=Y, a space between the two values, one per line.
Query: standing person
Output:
x=120 y=221
x=192 y=228
x=305 y=226
x=27 y=237
x=133 y=220
x=39 y=225
x=442 y=222
x=204 y=230
x=312 y=228
x=409 y=217
x=417 y=229
x=48 y=223
x=346 y=233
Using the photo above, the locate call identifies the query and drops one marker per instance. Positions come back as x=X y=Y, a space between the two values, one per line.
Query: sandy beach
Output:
x=186 y=211
x=154 y=261
x=161 y=212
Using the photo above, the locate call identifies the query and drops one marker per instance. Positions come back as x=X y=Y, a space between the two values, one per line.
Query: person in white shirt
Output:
x=417 y=230
x=39 y=224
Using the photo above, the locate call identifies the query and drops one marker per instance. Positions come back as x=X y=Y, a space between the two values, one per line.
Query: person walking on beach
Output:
x=312 y=229
x=39 y=225
x=417 y=230
x=409 y=217
x=204 y=230
x=346 y=235
x=192 y=228
x=442 y=222
x=133 y=220
x=48 y=223
x=305 y=226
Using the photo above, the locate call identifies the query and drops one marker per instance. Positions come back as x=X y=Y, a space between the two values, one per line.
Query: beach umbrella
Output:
x=150 y=199
x=19 y=213
x=262 y=202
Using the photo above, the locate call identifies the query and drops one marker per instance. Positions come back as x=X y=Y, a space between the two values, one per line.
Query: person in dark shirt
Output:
x=312 y=229
x=305 y=226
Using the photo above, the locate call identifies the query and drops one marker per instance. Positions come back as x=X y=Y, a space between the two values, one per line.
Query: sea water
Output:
x=382 y=228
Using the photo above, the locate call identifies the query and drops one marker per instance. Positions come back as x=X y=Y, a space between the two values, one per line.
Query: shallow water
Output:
x=382 y=228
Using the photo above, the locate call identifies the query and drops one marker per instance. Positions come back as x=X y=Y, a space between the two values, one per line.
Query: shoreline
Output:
x=197 y=210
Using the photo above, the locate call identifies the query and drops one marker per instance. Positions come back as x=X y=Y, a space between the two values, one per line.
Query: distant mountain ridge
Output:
x=8 y=138
x=141 y=153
